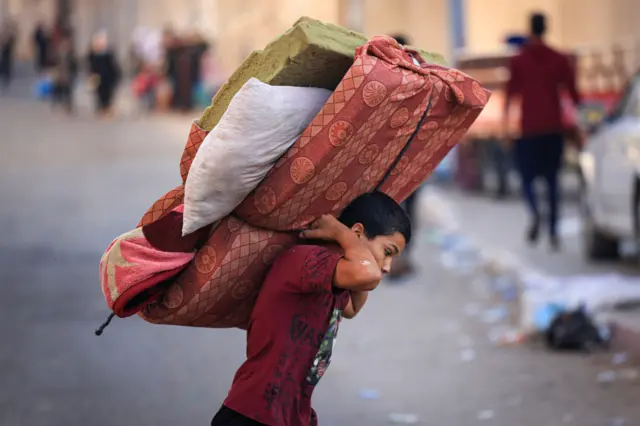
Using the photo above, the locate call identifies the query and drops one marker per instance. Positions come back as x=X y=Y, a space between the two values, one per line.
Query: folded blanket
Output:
x=137 y=267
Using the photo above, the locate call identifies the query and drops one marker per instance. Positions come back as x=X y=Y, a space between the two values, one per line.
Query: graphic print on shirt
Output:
x=323 y=358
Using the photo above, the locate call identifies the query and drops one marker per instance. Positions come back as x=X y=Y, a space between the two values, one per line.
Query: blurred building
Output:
x=238 y=27
x=119 y=17
x=246 y=25
x=573 y=23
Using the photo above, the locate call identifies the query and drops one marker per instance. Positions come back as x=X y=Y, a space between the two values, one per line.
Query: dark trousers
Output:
x=501 y=162
x=6 y=71
x=63 y=94
x=228 y=417
x=104 y=97
x=41 y=59
x=541 y=156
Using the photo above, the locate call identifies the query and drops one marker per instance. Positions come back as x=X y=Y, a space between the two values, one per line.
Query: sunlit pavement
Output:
x=68 y=186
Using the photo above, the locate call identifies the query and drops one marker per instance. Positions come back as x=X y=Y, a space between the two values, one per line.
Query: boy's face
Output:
x=383 y=247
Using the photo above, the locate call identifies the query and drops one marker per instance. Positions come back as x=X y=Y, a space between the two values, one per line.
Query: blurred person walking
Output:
x=538 y=75
x=41 y=43
x=7 y=47
x=65 y=71
x=105 y=73
x=144 y=87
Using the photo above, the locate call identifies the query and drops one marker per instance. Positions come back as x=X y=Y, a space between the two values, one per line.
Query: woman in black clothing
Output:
x=105 y=73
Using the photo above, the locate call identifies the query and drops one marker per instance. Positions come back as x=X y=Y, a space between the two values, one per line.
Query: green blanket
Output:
x=310 y=54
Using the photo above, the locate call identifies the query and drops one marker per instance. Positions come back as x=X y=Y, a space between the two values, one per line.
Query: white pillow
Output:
x=260 y=124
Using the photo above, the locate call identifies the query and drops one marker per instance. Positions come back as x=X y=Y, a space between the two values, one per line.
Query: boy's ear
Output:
x=358 y=228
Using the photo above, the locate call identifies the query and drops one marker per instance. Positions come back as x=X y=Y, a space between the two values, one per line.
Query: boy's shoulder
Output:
x=302 y=251
x=300 y=255
x=306 y=268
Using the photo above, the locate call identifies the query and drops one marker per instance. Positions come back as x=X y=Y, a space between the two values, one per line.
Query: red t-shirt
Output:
x=290 y=338
x=539 y=74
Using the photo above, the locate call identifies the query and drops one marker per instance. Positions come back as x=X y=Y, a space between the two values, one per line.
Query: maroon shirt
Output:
x=290 y=339
x=538 y=75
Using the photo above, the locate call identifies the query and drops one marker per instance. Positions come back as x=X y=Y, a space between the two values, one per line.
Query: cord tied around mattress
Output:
x=104 y=325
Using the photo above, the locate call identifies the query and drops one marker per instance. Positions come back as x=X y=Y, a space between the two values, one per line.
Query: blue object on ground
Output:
x=43 y=88
x=545 y=315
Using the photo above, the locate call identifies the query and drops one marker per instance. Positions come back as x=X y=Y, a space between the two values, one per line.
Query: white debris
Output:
x=465 y=341
x=467 y=355
x=436 y=211
x=369 y=394
x=607 y=376
x=403 y=418
x=618 y=421
x=570 y=226
x=471 y=310
x=516 y=401
x=620 y=358
x=628 y=374
x=495 y=315
x=486 y=415
x=595 y=292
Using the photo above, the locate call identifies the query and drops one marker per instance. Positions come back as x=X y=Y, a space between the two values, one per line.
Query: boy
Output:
x=296 y=317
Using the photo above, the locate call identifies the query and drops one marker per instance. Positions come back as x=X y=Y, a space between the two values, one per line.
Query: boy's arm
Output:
x=358 y=269
x=357 y=300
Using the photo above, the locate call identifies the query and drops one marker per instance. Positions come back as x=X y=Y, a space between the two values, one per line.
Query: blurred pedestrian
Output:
x=7 y=46
x=171 y=46
x=64 y=73
x=403 y=265
x=41 y=42
x=198 y=46
x=144 y=86
x=538 y=75
x=105 y=73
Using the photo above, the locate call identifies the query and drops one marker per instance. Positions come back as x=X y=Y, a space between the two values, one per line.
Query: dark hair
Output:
x=538 y=24
x=379 y=214
x=402 y=39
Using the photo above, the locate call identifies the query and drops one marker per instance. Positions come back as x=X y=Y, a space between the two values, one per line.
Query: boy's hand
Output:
x=326 y=228
x=357 y=300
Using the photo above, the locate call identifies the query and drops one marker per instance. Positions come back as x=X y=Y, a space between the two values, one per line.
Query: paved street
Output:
x=68 y=186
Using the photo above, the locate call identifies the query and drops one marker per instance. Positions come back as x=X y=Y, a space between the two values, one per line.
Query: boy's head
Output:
x=382 y=222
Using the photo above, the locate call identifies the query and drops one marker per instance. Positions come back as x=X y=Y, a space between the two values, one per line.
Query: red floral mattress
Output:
x=387 y=126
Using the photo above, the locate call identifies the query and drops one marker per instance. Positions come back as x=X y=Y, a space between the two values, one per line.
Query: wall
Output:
x=489 y=21
x=247 y=25
x=572 y=23
x=426 y=22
